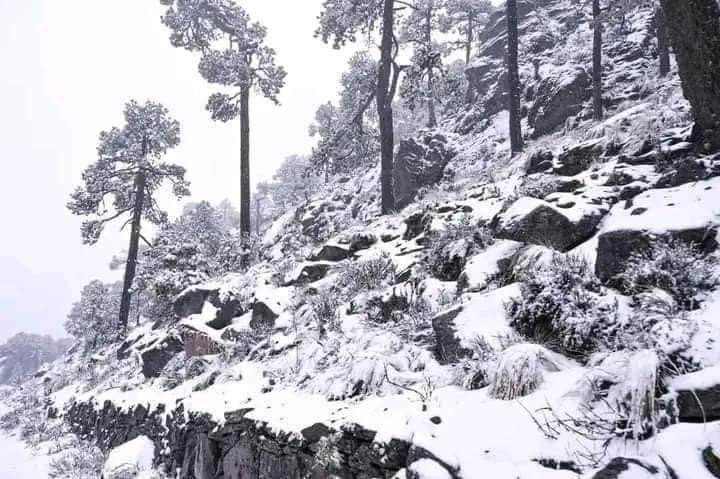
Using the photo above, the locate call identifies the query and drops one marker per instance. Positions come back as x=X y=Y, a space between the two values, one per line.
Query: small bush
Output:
x=84 y=461
x=563 y=306
x=519 y=371
x=449 y=249
x=367 y=275
x=673 y=266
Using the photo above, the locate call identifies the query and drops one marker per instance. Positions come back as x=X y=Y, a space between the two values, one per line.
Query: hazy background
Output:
x=68 y=67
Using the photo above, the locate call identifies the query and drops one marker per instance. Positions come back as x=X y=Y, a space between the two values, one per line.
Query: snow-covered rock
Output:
x=132 y=460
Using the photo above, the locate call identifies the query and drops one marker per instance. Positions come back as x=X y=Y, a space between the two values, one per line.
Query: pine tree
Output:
x=246 y=64
x=419 y=84
x=694 y=28
x=129 y=171
x=340 y=22
x=516 y=138
x=466 y=18
x=93 y=319
x=597 y=60
x=662 y=42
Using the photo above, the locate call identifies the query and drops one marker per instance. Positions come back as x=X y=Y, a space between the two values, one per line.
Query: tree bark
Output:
x=597 y=61
x=432 y=117
x=131 y=265
x=662 y=40
x=694 y=30
x=516 y=139
x=468 y=46
x=245 y=162
x=383 y=97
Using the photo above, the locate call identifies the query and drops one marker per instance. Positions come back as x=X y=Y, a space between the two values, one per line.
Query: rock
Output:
x=557 y=100
x=579 y=158
x=263 y=317
x=619 y=466
x=449 y=261
x=416 y=224
x=159 y=354
x=534 y=221
x=684 y=171
x=711 y=461
x=418 y=165
x=362 y=241
x=193 y=299
x=308 y=273
x=331 y=252
x=130 y=460
x=447 y=345
x=698 y=405
x=540 y=162
x=197 y=343
x=492 y=262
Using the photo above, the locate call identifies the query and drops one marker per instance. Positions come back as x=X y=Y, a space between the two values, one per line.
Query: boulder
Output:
x=419 y=164
x=331 y=252
x=557 y=99
x=130 y=460
x=415 y=225
x=628 y=468
x=197 y=343
x=308 y=273
x=534 y=221
x=447 y=345
x=579 y=158
x=659 y=214
x=263 y=317
x=699 y=405
x=193 y=299
x=362 y=241
x=156 y=357
x=450 y=259
x=540 y=162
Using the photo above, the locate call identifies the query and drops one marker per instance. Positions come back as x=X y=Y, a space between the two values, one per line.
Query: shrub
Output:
x=519 y=371
x=449 y=249
x=84 y=461
x=367 y=275
x=563 y=306
x=673 y=266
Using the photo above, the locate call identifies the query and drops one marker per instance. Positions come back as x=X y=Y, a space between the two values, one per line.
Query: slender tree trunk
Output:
x=694 y=30
x=597 y=61
x=131 y=265
x=469 y=40
x=383 y=97
x=516 y=139
x=432 y=117
x=245 y=162
x=662 y=40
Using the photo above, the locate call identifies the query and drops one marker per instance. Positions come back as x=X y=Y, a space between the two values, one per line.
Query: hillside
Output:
x=548 y=316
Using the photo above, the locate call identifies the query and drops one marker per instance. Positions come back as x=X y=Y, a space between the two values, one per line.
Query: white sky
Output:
x=68 y=67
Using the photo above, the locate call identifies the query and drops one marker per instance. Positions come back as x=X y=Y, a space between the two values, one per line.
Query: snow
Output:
x=703 y=379
x=484 y=316
x=482 y=267
x=19 y=462
x=132 y=459
x=689 y=206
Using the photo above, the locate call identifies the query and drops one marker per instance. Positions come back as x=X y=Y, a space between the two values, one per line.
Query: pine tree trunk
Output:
x=597 y=61
x=131 y=265
x=432 y=117
x=516 y=139
x=662 y=40
x=469 y=40
x=384 y=106
x=245 y=162
x=694 y=30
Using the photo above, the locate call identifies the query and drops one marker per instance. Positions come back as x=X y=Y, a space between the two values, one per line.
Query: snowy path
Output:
x=17 y=461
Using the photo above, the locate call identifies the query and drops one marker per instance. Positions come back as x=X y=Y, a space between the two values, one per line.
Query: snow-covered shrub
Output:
x=367 y=275
x=449 y=248
x=319 y=307
x=537 y=186
x=563 y=305
x=621 y=393
x=82 y=461
x=674 y=266
x=520 y=369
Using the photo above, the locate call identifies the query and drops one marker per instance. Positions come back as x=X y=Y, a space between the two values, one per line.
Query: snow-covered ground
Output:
x=17 y=460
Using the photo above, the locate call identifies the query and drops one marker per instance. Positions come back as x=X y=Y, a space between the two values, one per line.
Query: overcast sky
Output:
x=68 y=67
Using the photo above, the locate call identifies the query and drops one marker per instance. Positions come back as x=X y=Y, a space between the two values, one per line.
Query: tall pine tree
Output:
x=516 y=137
x=597 y=60
x=246 y=64
x=129 y=172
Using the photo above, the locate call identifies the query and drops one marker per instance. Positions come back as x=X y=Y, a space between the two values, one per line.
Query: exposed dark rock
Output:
x=538 y=222
x=711 y=461
x=361 y=241
x=540 y=162
x=263 y=317
x=192 y=301
x=241 y=448
x=157 y=356
x=197 y=343
x=447 y=345
x=579 y=158
x=331 y=252
x=699 y=405
x=616 y=247
x=686 y=171
x=557 y=100
x=450 y=259
x=309 y=273
x=619 y=465
x=415 y=225
x=418 y=165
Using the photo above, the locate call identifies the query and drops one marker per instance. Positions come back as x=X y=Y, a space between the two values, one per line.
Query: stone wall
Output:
x=197 y=448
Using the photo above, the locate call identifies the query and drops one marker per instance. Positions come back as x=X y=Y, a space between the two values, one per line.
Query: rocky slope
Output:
x=489 y=329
